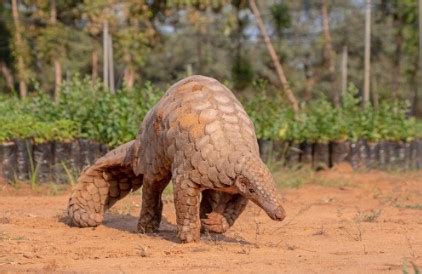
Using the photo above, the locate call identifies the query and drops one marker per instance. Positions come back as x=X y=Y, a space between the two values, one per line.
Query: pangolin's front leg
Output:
x=187 y=202
x=220 y=210
x=152 y=204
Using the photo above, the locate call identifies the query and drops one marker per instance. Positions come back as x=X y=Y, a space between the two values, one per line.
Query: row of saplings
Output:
x=61 y=161
x=53 y=161
x=361 y=154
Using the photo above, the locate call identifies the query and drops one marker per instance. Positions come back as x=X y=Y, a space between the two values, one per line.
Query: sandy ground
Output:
x=359 y=223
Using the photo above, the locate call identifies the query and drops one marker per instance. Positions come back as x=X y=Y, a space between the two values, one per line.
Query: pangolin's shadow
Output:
x=129 y=223
x=167 y=230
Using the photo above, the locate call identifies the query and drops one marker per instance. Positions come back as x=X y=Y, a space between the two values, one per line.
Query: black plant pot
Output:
x=66 y=158
x=265 y=149
x=94 y=151
x=307 y=152
x=321 y=157
x=407 y=153
x=44 y=161
x=402 y=155
x=23 y=158
x=373 y=151
x=392 y=154
x=279 y=150
x=353 y=157
x=293 y=155
x=339 y=151
x=8 y=161
x=413 y=154
x=418 y=156
x=362 y=148
x=103 y=149
x=84 y=159
x=383 y=152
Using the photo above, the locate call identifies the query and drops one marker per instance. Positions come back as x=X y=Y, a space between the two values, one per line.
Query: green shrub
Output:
x=83 y=111
x=92 y=112
x=266 y=113
x=320 y=121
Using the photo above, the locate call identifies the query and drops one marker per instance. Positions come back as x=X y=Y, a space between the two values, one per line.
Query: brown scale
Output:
x=198 y=137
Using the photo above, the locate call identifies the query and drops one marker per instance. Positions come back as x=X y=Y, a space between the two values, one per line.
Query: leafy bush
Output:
x=83 y=111
x=92 y=112
x=266 y=113
x=320 y=121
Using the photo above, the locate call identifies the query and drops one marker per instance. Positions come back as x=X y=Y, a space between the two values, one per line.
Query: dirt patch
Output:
x=372 y=223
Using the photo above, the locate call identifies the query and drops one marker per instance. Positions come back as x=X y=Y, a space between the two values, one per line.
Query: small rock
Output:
x=4 y=220
x=28 y=255
x=142 y=251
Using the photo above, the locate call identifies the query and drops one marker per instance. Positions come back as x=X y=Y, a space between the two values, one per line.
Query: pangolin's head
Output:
x=256 y=183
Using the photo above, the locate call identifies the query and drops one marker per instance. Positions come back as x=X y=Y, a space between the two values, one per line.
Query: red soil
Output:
x=372 y=223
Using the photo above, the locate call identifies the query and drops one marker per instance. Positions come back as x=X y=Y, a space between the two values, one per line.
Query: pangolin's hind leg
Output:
x=152 y=204
x=108 y=180
x=87 y=202
x=220 y=210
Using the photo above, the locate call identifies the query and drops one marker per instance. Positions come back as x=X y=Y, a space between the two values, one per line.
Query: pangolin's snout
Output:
x=279 y=214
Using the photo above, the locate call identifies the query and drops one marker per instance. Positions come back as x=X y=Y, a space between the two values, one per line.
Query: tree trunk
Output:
x=23 y=90
x=367 y=69
x=199 y=52
x=280 y=72
x=110 y=64
x=329 y=52
x=420 y=37
x=56 y=62
x=418 y=112
x=105 y=54
x=94 y=60
x=375 y=96
x=7 y=74
x=344 y=72
x=397 y=57
x=58 y=79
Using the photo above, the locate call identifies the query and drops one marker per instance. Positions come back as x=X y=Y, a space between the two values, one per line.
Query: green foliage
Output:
x=320 y=121
x=266 y=113
x=280 y=13
x=91 y=112
x=83 y=111
x=418 y=128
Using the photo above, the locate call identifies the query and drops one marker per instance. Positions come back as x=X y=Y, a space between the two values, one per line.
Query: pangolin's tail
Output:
x=101 y=185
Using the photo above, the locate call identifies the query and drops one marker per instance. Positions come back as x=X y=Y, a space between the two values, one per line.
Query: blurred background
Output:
x=307 y=72
x=46 y=42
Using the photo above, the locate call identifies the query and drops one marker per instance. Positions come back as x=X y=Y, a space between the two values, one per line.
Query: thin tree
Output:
x=23 y=90
x=7 y=74
x=56 y=61
x=399 y=40
x=279 y=69
x=105 y=53
x=420 y=36
x=367 y=69
x=329 y=52
x=344 y=73
x=418 y=89
x=110 y=63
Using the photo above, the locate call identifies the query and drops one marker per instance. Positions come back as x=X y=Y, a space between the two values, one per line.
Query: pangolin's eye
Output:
x=251 y=190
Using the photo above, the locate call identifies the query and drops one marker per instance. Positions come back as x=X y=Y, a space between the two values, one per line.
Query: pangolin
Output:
x=199 y=137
